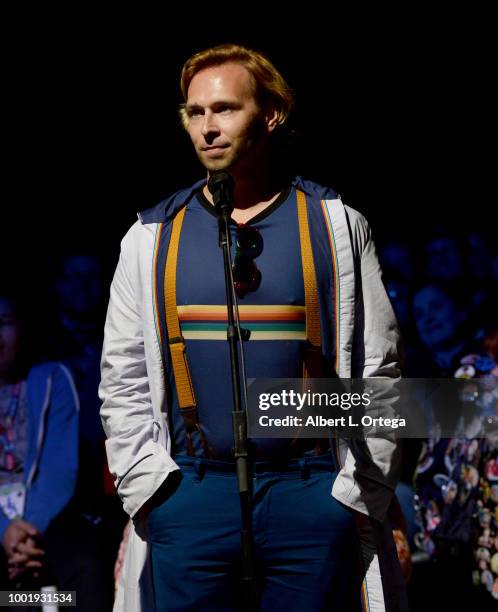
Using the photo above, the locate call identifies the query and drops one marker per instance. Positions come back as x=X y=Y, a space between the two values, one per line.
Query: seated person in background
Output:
x=455 y=479
x=440 y=311
x=38 y=454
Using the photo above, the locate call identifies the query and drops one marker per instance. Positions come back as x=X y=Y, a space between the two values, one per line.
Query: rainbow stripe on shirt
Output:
x=266 y=322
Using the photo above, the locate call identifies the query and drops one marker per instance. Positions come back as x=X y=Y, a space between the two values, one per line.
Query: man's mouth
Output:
x=214 y=148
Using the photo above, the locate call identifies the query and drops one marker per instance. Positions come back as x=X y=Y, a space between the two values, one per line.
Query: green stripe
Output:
x=254 y=326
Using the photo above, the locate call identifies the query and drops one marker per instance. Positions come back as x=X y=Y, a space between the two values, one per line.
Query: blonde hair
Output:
x=271 y=88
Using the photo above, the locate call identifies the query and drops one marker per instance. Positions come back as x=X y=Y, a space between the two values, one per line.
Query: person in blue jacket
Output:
x=38 y=452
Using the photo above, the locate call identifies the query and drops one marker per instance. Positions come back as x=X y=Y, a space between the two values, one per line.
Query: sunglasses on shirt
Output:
x=246 y=276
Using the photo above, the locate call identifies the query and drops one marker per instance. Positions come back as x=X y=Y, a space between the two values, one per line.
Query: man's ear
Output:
x=271 y=119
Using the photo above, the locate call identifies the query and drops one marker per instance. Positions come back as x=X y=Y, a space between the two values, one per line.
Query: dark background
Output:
x=392 y=111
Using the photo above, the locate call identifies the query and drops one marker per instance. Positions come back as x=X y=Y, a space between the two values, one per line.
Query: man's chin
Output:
x=215 y=163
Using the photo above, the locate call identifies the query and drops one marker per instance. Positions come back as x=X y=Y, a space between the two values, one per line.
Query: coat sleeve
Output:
x=139 y=462
x=54 y=481
x=370 y=469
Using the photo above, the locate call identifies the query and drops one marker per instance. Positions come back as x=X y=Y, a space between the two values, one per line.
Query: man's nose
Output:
x=209 y=125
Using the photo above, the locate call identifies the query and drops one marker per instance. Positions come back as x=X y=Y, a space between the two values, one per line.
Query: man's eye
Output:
x=193 y=114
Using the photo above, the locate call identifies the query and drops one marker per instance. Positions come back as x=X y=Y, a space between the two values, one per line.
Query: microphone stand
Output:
x=224 y=207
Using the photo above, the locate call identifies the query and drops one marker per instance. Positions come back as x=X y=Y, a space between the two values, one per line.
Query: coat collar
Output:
x=166 y=209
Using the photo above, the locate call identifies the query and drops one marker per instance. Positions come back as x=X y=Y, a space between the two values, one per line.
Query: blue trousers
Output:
x=305 y=542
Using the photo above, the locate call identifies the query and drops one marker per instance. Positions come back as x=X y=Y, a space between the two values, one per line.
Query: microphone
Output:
x=221 y=186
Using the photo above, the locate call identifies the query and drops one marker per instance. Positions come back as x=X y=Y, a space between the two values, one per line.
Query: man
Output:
x=186 y=530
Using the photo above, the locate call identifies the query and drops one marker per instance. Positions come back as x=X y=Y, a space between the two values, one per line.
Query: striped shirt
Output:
x=274 y=314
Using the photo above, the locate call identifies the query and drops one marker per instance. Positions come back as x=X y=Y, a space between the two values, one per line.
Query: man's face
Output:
x=437 y=318
x=228 y=128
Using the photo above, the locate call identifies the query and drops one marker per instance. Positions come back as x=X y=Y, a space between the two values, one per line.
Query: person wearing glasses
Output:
x=320 y=536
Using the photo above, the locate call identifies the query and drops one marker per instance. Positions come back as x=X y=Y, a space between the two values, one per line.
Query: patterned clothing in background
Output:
x=13 y=447
x=457 y=486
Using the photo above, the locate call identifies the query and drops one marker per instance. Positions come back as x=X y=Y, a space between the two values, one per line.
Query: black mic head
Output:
x=221 y=186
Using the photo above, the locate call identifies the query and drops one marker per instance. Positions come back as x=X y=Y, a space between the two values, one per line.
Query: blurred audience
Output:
x=444 y=257
x=444 y=295
x=77 y=341
x=81 y=298
x=38 y=456
x=396 y=256
x=456 y=500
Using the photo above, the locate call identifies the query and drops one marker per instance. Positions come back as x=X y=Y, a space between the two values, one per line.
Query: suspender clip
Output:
x=177 y=340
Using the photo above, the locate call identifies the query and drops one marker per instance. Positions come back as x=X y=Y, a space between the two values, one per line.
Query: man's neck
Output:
x=252 y=195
